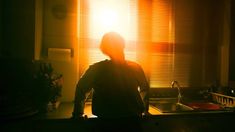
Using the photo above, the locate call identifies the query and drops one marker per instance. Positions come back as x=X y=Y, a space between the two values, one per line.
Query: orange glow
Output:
x=162 y=26
x=101 y=16
x=146 y=26
x=107 y=18
x=111 y=15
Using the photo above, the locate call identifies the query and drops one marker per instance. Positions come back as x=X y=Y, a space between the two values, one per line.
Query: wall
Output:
x=232 y=47
x=60 y=31
x=38 y=28
x=224 y=41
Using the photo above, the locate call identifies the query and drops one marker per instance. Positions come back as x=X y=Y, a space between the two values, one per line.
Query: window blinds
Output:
x=157 y=44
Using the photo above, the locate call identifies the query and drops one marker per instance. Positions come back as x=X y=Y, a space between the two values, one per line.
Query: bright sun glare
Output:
x=111 y=15
x=107 y=18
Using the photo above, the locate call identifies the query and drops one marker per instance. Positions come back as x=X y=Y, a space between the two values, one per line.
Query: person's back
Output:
x=116 y=89
x=115 y=84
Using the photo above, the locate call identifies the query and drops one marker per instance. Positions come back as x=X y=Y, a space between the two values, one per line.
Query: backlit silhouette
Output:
x=119 y=86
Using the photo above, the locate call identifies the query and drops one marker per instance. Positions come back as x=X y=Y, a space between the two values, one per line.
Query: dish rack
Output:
x=225 y=100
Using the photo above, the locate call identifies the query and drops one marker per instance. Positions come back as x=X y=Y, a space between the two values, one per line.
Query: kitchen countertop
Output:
x=59 y=120
x=65 y=111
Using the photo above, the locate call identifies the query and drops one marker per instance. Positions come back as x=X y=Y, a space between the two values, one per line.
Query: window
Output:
x=98 y=17
x=148 y=28
x=162 y=46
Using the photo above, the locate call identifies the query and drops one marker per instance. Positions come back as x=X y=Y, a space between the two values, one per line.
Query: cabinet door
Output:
x=18 y=30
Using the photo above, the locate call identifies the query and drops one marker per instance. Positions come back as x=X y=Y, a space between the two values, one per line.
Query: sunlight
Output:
x=97 y=17
x=111 y=15
x=107 y=18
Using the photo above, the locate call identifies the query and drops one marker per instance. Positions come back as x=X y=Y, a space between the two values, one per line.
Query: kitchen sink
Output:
x=204 y=106
x=171 y=107
x=198 y=103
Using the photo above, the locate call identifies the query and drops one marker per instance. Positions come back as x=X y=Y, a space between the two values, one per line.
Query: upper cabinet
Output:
x=18 y=29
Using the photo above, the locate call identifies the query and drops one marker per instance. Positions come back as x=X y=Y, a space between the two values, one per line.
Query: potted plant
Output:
x=48 y=87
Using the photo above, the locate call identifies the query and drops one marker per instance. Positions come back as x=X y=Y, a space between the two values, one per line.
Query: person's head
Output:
x=112 y=45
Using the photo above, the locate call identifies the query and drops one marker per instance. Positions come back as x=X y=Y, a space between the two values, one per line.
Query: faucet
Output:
x=178 y=88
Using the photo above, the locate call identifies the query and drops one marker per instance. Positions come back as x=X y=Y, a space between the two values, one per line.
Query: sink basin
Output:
x=204 y=106
x=171 y=107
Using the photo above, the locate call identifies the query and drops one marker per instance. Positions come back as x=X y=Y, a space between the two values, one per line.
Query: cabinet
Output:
x=18 y=29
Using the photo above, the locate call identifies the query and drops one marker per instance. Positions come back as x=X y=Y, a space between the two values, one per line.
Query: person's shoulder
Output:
x=100 y=63
x=133 y=64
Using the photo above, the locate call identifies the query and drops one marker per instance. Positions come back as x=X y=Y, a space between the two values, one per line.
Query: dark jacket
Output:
x=116 y=89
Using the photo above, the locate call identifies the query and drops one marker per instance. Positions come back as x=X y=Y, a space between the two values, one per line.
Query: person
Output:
x=120 y=88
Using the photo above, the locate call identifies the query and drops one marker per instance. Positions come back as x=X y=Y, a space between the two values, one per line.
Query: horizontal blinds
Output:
x=162 y=53
x=161 y=20
x=165 y=64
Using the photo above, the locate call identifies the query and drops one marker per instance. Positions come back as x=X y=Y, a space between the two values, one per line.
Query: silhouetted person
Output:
x=119 y=86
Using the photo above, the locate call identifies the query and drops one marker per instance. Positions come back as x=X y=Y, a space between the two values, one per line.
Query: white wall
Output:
x=60 y=31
